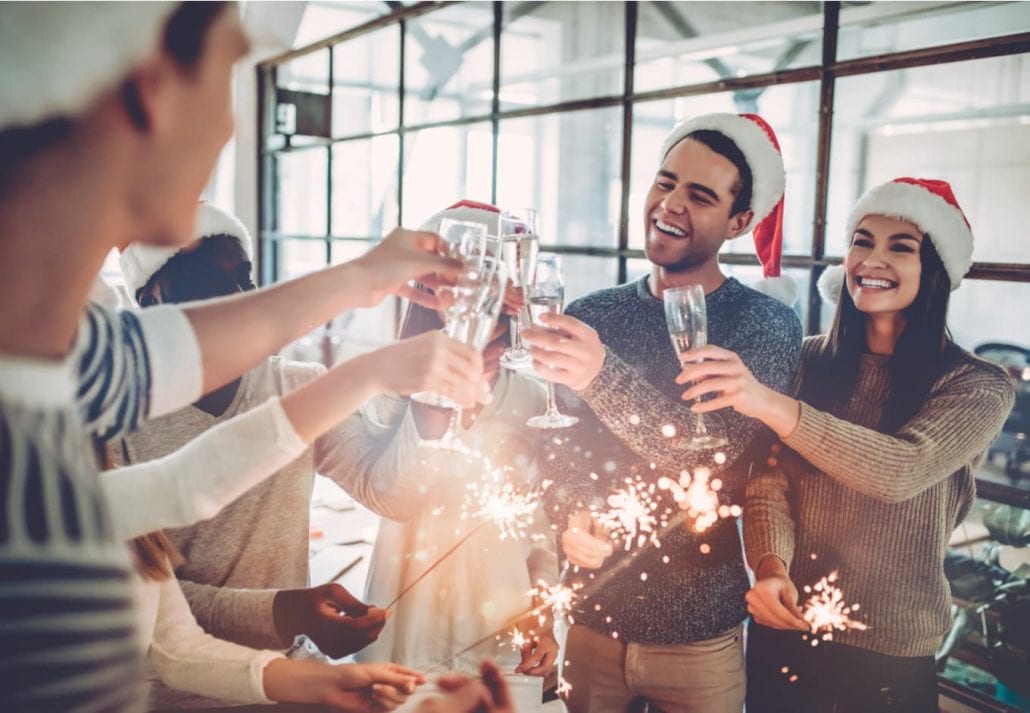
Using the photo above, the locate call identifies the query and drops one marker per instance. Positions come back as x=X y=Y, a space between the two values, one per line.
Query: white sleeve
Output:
x=195 y=482
x=188 y=659
x=173 y=352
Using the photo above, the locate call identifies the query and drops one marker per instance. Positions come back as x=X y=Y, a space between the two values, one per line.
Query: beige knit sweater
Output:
x=879 y=508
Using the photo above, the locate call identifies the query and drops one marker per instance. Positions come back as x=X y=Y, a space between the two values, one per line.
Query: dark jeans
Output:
x=833 y=678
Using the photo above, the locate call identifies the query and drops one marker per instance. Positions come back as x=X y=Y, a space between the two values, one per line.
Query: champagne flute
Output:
x=466 y=241
x=475 y=326
x=547 y=296
x=687 y=320
x=520 y=245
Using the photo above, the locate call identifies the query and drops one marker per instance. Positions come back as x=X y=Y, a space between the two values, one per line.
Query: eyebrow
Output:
x=895 y=236
x=700 y=187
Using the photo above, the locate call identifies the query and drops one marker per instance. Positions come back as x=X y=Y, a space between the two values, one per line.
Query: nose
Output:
x=674 y=202
x=879 y=255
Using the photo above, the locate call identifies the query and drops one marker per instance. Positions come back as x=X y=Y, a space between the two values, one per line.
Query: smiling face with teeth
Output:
x=687 y=212
x=883 y=265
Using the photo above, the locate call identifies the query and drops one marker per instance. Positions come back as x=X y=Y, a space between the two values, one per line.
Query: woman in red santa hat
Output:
x=874 y=468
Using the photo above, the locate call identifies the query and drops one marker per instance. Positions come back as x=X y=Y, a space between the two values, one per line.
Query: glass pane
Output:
x=303 y=180
x=299 y=257
x=366 y=75
x=443 y=166
x=984 y=311
x=365 y=187
x=682 y=43
x=875 y=28
x=585 y=274
x=324 y=18
x=567 y=167
x=449 y=63
x=967 y=123
x=559 y=51
x=792 y=111
x=307 y=73
x=360 y=330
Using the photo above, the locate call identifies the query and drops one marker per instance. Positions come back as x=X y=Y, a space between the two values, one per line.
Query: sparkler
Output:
x=826 y=611
x=633 y=514
x=698 y=496
x=511 y=511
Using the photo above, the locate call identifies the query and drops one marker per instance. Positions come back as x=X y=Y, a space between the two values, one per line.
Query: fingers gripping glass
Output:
x=475 y=327
x=517 y=232
x=547 y=296
x=687 y=320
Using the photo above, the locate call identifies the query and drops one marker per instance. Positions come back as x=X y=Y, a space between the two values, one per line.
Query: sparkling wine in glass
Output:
x=687 y=320
x=547 y=296
x=475 y=326
x=520 y=246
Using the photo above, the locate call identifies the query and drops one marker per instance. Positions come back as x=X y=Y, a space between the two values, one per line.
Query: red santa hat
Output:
x=60 y=57
x=928 y=203
x=757 y=141
x=469 y=210
x=140 y=261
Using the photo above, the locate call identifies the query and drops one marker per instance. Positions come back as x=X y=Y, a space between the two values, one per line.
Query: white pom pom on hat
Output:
x=928 y=203
x=140 y=261
x=757 y=141
x=61 y=56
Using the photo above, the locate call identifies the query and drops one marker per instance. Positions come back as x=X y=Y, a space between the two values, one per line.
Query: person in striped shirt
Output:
x=112 y=119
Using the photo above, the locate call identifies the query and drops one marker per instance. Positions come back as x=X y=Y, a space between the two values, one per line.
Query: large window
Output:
x=562 y=105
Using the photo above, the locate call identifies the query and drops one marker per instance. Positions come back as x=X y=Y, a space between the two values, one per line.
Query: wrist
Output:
x=362 y=369
x=770 y=566
x=780 y=412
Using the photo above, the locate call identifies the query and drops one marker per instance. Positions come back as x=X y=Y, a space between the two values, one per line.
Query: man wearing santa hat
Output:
x=664 y=625
x=112 y=119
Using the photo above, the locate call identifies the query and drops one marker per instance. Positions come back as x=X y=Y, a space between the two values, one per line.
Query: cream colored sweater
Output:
x=877 y=507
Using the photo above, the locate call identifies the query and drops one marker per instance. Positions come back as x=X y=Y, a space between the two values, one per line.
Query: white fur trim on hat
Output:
x=58 y=57
x=766 y=163
x=942 y=221
x=830 y=283
x=140 y=261
x=474 y=215
x=783 y=287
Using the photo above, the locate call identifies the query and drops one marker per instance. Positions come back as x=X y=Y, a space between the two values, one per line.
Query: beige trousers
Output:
x=609 y=676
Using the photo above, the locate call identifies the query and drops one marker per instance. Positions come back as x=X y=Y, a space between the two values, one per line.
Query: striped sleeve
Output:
x=113 y=371
x=67 y=624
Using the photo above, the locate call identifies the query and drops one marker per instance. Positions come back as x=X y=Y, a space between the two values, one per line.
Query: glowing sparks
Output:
x=518 y=640
x=511 y=511
x=563 y=687
x=633 y=514
x=668 y=430
x=556 y=599
x=826 y=611
x=698 y=496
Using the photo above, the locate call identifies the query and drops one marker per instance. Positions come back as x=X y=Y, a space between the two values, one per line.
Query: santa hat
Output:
x=928 y=203
x=140 y=261
x=757 y=141
x=60 y=57
x=471 y=211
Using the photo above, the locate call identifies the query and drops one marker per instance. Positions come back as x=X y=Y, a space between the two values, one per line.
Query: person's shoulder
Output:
x=288 y=374
x=972 y=371
x=603 y=299
x=751 y=303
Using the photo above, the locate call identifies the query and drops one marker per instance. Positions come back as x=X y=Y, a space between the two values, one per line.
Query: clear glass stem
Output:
x=699 y=424
x=516 y=331
x=552 y=407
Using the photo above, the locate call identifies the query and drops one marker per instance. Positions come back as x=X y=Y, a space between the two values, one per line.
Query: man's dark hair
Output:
x=724 y=146
x=184 y=36
x=217 y=267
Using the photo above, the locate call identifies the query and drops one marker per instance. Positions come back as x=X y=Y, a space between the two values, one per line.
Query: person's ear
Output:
x=738 y=222
x=146 y=95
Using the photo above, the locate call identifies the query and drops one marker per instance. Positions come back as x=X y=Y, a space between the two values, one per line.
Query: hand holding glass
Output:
x=520 y=245
x=687 y=319
x=547 y=296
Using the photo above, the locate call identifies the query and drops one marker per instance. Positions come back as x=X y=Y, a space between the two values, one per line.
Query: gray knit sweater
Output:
x=688 y=595
x=877 y=507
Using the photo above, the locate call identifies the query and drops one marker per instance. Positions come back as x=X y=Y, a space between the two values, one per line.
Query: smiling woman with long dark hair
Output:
x=875 y=465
